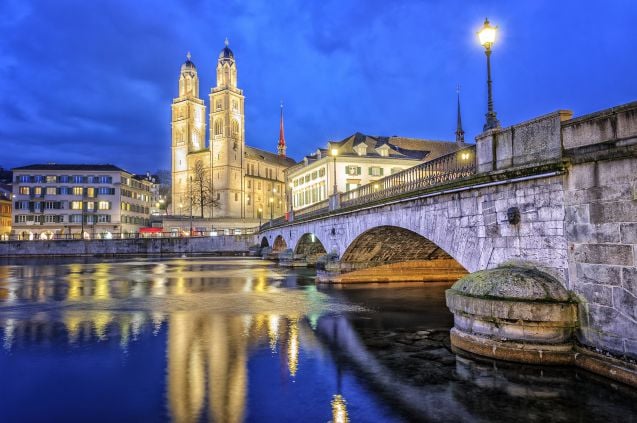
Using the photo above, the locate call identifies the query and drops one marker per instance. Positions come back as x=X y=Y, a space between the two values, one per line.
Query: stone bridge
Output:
x=555 y=193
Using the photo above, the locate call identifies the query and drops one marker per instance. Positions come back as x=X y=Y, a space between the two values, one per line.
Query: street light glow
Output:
x=487 y=34
x=334 y=152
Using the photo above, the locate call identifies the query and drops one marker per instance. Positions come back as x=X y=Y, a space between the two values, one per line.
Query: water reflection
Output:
x=243 y=341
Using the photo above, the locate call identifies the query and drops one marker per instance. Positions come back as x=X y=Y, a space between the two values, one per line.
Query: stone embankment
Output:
x=223 y=245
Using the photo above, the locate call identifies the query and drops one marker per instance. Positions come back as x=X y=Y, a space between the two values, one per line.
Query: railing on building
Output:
x=444 y=169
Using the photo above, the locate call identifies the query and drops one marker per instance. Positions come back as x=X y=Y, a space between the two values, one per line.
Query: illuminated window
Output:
x=90 y=192
x=51 y=191
x=24 y=190
x=78 y=191
x=37 y=190
x=76 y=205
x=51 y=179
x=104 y=205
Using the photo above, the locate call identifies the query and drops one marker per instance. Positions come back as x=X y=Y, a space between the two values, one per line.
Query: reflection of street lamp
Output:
x=487 y=38
x=191 y=206
x=334 y=154
x=260 y=216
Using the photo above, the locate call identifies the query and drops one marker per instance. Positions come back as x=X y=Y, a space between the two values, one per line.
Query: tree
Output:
x=201 y=191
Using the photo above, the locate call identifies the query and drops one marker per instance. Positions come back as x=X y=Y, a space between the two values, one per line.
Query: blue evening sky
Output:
x=92 y=81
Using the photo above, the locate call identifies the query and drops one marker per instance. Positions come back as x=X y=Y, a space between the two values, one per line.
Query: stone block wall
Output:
x=601 y=226
x=533 y=142
x=141 y=246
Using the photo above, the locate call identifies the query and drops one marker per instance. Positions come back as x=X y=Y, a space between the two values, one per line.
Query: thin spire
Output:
x=459 y=131
x=188 y=56
x=281 y=147
x=226 y=42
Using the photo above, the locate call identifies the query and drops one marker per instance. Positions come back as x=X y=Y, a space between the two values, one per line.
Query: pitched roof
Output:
x=257 y=153
x=398 y=147
x=73 y=167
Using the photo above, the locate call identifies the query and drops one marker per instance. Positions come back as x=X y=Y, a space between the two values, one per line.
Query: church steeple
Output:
x=459 y=131
x=281 y=147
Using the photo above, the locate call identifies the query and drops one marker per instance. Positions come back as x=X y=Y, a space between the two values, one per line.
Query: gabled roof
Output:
x=73 y=167
x=257 y=153
x=398 y=147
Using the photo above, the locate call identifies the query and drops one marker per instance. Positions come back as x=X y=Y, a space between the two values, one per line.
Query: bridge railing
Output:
x=456 y=165
x=313 y=210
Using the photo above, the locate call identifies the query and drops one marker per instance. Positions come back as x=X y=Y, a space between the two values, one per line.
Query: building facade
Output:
x=223 y=180
x=360 y=159
x=5 y=213
x=55 y=201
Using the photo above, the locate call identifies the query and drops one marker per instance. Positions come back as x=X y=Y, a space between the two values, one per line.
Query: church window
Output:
x=235 y=105
x=218 y=127
x=249 y=184
x=218 y=105
x=235 y=127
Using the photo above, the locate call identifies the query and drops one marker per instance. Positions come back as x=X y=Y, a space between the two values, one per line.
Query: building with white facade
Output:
x=57 y=201
x=360 y=159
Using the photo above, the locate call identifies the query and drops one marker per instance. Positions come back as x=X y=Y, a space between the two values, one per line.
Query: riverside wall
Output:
x=224 y=245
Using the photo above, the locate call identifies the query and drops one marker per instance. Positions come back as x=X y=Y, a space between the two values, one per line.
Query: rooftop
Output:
x=73 y=167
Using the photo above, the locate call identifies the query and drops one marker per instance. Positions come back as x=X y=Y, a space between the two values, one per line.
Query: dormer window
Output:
x=361 y=149
x=383 y=150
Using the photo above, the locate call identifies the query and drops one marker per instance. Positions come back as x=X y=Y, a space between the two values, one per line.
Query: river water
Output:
x=233 y=339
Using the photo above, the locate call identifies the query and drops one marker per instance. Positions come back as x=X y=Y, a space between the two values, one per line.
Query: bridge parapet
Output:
x=534 y=142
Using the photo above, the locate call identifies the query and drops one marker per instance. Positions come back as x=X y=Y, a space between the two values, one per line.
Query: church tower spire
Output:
x=281 y=147
x=459 y=131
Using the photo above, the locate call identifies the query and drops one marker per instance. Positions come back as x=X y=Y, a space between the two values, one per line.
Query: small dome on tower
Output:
x=226 y=53
x=188 y=64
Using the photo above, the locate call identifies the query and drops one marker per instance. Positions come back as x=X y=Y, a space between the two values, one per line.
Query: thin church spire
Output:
x=281 y=147
x=459 y=131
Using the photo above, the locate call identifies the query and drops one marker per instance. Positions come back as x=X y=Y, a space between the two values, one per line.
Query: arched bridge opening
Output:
x=391 y=253
x=310 y=247
x=264 y=242
x=279 y=244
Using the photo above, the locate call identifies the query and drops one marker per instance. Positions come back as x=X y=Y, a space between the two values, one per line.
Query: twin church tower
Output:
x=223 y=178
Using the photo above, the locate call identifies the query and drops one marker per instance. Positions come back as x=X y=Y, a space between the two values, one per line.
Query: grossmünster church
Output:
x=222 y=178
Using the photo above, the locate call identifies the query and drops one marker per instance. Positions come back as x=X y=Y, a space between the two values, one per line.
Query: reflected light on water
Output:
x=293 y=346
x=339 y=410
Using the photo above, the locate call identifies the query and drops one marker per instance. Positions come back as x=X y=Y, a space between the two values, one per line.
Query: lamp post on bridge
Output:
x=334 y=154
x=271 y=209
x=260 y=216
x=487 y=39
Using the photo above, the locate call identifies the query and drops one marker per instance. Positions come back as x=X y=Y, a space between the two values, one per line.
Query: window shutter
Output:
x=358 y=170
x=381 y=171
x=369 y=171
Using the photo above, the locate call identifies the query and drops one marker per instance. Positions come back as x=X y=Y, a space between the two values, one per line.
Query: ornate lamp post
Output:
x=334 y=154
x=271 y=209
x=487 y=39
x=260 y=216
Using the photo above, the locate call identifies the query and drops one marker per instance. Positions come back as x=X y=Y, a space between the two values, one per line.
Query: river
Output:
x=237 y=339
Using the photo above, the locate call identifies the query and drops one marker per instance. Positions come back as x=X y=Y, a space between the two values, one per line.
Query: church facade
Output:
x=224 y=180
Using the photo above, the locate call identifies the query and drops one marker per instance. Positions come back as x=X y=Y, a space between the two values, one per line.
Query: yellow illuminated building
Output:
x=222 y=179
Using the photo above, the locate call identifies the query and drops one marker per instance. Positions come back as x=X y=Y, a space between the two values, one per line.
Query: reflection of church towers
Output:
x=188 y=129
x=227 y=137
x=207 y=354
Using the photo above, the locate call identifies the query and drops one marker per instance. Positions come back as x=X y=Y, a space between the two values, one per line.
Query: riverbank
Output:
x=217 y=245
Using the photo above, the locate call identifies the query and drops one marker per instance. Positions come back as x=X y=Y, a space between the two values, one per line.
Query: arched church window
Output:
x=235 y=127
x=218 y=127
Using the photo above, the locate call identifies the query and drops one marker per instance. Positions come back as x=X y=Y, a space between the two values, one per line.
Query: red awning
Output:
x=150 y=230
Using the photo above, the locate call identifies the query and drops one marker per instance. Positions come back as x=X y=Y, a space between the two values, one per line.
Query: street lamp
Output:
x=271 y=211
x=487 y=39
x=334 y=154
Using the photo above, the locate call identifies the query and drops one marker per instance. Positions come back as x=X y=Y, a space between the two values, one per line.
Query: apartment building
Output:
x=58 y=201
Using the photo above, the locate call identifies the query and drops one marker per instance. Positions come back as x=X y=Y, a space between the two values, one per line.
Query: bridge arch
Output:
x=279 y=244
x=264 y=242
x=310 y=246
x=394 y=248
